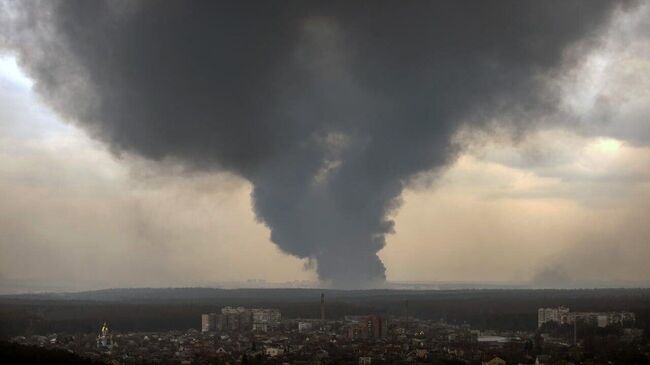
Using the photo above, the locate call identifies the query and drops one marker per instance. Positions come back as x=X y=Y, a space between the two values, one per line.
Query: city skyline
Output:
x=365 y=327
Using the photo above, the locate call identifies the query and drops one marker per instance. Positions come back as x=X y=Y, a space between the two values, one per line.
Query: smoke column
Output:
x=329 y=109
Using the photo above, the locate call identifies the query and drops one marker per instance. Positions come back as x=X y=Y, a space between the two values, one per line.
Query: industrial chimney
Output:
x=322 y=307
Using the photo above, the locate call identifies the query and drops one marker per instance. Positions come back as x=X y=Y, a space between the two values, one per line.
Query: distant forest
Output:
x=180 y=309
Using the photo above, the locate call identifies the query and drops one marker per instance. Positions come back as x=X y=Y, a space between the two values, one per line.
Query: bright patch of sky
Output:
x=22 y=114
x=12 y=75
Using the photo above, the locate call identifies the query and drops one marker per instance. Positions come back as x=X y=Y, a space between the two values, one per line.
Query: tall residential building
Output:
x=559 y=315
x=370 y=327
x=562 y=315
x=264 y=318
x=235 y=319
x=205 y=322
x=240 y=319
x=209 y=322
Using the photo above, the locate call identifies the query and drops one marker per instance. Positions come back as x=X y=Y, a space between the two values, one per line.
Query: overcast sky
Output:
x=561 y=205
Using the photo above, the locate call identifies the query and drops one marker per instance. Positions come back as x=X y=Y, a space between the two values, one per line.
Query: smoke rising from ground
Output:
x=327 y=108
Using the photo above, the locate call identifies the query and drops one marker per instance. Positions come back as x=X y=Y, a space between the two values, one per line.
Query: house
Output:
x=495 y=361
x=274 y=351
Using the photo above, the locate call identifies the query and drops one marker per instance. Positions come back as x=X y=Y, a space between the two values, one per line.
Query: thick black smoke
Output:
x=327 y=107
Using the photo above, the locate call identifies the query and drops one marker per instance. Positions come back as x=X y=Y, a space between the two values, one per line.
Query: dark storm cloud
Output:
x=327 y=108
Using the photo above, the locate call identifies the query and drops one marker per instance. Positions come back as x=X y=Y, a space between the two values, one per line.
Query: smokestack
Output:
x=407 y=314
x=322 y=307
x=326 y=155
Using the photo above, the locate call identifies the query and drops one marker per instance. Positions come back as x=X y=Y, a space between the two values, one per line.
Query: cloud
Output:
x=75 y=217
x=608 y=92
x=327 y=108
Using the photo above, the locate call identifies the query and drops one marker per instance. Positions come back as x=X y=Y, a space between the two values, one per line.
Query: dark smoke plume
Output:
x=328 y=108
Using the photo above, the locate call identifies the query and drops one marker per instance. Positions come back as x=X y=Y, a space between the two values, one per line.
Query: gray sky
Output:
x=563 y=204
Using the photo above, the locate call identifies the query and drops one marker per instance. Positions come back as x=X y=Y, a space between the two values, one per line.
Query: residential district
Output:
x=238 y=335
